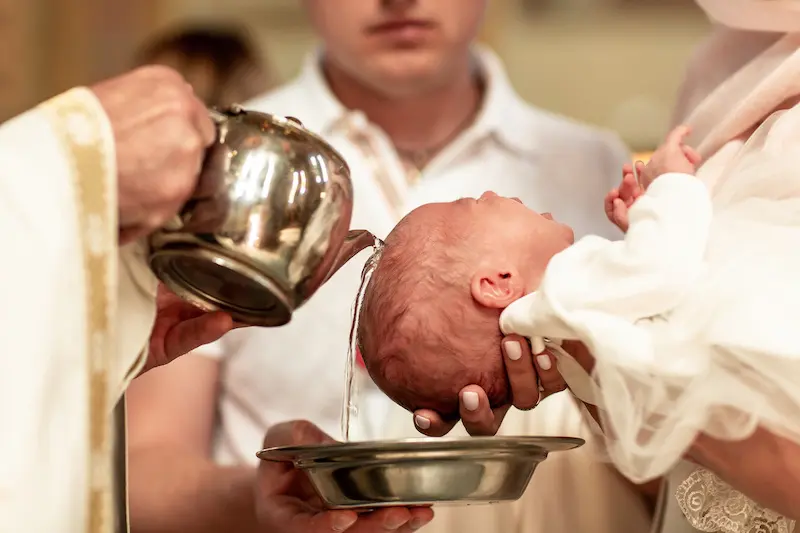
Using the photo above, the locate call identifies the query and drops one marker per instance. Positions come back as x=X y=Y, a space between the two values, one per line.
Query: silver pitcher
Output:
x=267 y=225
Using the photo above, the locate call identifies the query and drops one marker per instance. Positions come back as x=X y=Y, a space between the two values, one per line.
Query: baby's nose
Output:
x=487 y=195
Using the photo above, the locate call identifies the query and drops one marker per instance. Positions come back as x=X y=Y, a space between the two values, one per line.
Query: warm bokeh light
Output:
x=627 y=53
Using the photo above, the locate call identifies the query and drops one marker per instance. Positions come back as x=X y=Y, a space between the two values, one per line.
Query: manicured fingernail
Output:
x=470 y=400
x=537 y=345
x=422 y=422
x=513 y=350
x=544 y=361
x=343 y=522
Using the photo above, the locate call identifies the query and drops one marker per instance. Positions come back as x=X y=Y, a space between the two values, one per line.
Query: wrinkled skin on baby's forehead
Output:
x=415 y=234
x=489 y=214
x=434 y=222
x=425 y=216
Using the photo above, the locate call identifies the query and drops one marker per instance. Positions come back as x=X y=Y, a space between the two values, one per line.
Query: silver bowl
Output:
x=414 y=472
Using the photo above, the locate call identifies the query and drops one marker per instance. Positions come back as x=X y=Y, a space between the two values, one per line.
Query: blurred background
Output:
x=614 y=63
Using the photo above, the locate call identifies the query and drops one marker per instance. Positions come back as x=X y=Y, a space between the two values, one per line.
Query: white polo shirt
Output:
x=297 y=371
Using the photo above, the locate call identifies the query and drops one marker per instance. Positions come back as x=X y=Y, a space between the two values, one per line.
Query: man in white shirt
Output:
x=421 y=115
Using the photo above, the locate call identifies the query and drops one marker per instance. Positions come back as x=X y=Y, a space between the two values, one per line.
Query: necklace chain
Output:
x=421 y=157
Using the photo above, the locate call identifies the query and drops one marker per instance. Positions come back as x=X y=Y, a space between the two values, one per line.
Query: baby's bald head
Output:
x=421 y=335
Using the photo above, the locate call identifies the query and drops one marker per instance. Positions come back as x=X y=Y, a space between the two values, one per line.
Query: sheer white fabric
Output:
x=692 y=318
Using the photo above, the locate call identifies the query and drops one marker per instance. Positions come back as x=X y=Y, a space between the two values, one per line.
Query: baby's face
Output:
x=429 y=324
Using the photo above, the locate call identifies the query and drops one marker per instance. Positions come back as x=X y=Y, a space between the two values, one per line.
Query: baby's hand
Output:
x=672 y=156
x=619 y=200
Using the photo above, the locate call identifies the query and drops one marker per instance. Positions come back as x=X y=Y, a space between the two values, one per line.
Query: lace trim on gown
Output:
x=711 y=505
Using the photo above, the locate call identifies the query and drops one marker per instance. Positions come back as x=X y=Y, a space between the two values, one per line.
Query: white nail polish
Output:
x=513 y=350
x=537 y=345
x=544 y=361
x=422 y=422
x=470 y=401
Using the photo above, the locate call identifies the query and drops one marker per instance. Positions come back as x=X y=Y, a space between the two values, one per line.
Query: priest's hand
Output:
x=532 y=379
x=286 y=502
x=161 y=131
x=181 y=327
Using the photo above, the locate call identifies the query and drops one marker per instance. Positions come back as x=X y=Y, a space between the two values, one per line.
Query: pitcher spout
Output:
x=355 y=241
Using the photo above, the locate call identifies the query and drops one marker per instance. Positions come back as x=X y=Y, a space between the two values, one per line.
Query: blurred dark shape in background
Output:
x=223 y=64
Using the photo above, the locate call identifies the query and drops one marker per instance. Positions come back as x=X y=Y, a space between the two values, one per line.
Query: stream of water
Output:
x=349 y=405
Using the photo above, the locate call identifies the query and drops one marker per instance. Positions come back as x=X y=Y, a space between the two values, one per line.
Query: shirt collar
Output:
x=502 y=115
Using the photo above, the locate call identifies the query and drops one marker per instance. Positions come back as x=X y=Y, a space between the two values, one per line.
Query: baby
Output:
x=429 y=320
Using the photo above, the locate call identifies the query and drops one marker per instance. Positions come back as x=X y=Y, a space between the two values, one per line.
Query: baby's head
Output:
x=429 y=320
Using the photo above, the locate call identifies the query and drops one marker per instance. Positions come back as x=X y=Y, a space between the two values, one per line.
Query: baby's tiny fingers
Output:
x=692 y=155
x=627 y=168
x=608 y=203
x=627 y=189
x=620 y=214
x=678 y=135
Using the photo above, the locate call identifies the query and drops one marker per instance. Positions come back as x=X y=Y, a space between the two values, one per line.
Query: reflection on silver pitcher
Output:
x=267 y=225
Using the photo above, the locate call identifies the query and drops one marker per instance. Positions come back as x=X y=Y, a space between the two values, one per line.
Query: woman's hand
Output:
x=526 y=372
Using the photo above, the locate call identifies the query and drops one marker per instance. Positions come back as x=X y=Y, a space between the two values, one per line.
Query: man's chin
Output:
x=410 y=74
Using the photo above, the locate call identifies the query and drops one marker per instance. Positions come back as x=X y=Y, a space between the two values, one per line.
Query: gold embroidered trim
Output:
x=81 y=125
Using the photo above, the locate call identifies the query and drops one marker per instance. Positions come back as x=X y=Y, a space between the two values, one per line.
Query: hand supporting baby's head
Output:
x=428 y=325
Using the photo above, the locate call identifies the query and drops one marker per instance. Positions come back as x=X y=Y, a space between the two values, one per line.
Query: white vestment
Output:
x=76 y=313
x=692 y=319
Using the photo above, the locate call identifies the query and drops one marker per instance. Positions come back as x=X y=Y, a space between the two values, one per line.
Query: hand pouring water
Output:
x=267 y=225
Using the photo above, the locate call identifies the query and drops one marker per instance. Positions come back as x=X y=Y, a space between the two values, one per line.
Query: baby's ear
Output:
x=496 y=288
